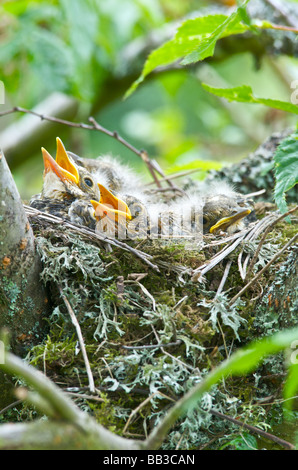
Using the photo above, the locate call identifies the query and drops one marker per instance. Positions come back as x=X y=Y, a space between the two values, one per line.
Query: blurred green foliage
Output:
x=93 y=50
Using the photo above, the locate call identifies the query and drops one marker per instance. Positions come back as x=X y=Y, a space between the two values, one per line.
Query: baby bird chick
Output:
x=111 y=217
x=224 y=209
x=223 y=213
x=67 y=190
x=183 y=218
x=110 y=172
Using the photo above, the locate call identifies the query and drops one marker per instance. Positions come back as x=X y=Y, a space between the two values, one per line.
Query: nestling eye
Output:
x=205 y=221
x=89 y=182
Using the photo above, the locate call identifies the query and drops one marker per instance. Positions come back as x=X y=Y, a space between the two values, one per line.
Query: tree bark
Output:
x=23 y=299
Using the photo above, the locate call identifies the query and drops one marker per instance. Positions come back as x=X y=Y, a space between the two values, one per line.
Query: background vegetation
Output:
x=194 y=102
x=93 y=50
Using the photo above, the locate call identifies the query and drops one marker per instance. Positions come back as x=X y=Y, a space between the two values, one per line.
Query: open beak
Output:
x=226 y=222
x=51 y=165
x=110 y=206
x=62 y=159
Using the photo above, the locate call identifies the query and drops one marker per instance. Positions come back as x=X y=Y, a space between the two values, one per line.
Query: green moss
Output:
x=9 y=294
x=121 y=319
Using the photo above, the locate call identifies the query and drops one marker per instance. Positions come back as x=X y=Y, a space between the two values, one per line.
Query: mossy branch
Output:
x=22 y=295
x=79 y=424
x=92 y=435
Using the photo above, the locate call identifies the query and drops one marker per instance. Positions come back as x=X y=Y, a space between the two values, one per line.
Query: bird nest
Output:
x=156 y=316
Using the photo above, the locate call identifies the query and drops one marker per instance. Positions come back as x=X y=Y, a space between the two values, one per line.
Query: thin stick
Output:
x=224 y=278
x=81 y=340
x=280 y=9
x=197 y=273
x=254 y=430
x=85 y=397
x=94 y=126
x=154 y=346
x=173 y=176
x=275 y=257
x=31 y=212
x=141 y=405
x=264 y=237
x=141 y=153
x=11 y=405
x=90 y=432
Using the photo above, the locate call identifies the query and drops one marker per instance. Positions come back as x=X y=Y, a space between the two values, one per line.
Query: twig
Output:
x=11 y=405
x=254 y=430
x=81 y=340
x=197 y=273
x=284 y=28
x=64 y=408
x=176 y=359
x=152 y=165
x=177 y=175
x=85 y=397
x=141 y=405
x=154 y=346
x=91 y=433
x=31 y=212
x=157 y=168
x=256 y=193
x=181 y=301
x=145 y=291
x=141 y=153
x=264 y=237
x=95 y=126
x=275 y=257
x=190 y=399
x=280 y=9
x=224 y=278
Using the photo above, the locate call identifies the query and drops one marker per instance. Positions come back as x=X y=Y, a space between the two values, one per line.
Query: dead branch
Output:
x=152 y=166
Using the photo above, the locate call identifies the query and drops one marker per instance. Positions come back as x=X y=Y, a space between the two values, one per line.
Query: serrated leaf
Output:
x=286 y=170
x=195 y=40
x=244 y=94
x=206 y=48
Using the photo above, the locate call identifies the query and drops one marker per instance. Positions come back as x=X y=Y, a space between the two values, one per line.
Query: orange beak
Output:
x=62 y=159
x=51 y=165
x=110 y=206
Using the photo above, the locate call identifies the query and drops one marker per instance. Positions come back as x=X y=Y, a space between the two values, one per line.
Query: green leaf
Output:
x=195 y=40
x=207 y=45
x=245 y=360
x=286 y=169
x=242 y=442
x=244 y=94
x=242 y=362
x=291 y=385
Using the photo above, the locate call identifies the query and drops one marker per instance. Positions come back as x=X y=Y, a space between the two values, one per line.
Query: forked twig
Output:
x=152 y=166
x=275 y=257
x=254 y=429
x=250 y=268
x=224 y=278
x=141 y=405
x=80 y=338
